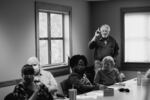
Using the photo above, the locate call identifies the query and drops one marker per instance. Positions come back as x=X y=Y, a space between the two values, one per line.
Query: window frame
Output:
x=54 y=8
x=49 y=38
x=133 y=66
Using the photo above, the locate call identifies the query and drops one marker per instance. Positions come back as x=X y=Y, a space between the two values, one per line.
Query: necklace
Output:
x=105 y=42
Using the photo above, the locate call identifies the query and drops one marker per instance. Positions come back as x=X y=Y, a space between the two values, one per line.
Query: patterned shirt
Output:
x=21 y=92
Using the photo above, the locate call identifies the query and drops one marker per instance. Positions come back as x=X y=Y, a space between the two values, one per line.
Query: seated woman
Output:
x=27 y=89
x=108 y=75
x=77 y=79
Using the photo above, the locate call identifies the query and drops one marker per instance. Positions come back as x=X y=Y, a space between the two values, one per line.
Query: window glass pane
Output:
x=42 y=24
x=43 y=52
x=56 y=25
x=56 y=51
x=137 y=37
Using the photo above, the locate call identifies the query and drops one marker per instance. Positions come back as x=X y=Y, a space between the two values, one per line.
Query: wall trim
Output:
x=9 y=83
x=60 y=71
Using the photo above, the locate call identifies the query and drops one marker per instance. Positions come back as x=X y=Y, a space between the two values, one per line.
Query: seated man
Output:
x=77 y=79
x=92 y=70
x=27 y=89
x=108 y=75
x=97 y=65
x=43 y=76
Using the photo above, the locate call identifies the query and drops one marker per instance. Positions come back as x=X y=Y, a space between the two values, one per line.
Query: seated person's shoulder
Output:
x=73 y=75
x=44 y=71
x=116 y=70
x=19 y=85
x=100 y=71
x=90 y=68
x=147 y=74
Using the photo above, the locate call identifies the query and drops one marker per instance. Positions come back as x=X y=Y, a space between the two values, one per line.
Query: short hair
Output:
x=75 y=59
x=33 y=60
x=27 y=70
x=105 y=26
x=97 y=59
x=109 y=58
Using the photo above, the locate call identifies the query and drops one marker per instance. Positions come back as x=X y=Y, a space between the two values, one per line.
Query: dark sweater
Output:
x=82 y=85
x=102 y=49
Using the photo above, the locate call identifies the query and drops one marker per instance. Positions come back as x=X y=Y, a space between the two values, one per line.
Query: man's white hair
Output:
x=108 y=58
x=33 y=60
x=105 y=26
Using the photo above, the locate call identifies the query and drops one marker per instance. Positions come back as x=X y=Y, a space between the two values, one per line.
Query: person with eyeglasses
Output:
x=43 y=76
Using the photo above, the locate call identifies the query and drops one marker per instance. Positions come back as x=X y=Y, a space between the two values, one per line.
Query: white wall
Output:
x=16 y=36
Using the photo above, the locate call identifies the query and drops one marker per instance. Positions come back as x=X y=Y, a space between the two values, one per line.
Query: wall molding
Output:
x=55 y=71
x=9 y=83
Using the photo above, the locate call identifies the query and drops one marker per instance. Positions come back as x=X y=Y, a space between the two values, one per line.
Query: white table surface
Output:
x=136 y=92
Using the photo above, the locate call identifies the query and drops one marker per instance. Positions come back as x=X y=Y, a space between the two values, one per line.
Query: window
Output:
x=52 y=34
x=136 y=39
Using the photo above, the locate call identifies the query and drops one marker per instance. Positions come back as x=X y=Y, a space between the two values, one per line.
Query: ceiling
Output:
x=114 y=0
x=96 y=0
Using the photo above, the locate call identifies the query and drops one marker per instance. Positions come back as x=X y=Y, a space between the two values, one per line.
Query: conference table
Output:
x=136 y=92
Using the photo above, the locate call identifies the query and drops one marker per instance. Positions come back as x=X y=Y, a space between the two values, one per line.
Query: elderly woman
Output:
x=108 y=75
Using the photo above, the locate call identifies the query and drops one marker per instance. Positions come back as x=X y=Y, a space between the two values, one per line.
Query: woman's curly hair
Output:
x=75 y=59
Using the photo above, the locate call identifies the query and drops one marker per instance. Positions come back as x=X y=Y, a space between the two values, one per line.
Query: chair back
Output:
x=64 y=86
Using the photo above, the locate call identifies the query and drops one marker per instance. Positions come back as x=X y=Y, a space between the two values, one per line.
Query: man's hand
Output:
x=97 y=33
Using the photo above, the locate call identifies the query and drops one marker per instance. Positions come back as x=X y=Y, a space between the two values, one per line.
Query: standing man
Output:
x=103 y=43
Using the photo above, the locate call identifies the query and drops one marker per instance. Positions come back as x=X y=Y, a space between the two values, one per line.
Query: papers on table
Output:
x=94 y=95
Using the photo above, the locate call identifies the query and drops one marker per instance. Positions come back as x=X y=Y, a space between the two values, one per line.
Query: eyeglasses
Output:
x=124 y=90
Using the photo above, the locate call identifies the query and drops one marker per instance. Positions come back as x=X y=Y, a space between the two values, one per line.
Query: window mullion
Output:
x=63 y=37
x=49 y=38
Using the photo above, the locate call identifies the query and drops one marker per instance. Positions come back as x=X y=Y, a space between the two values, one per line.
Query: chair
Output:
x=64 y=86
